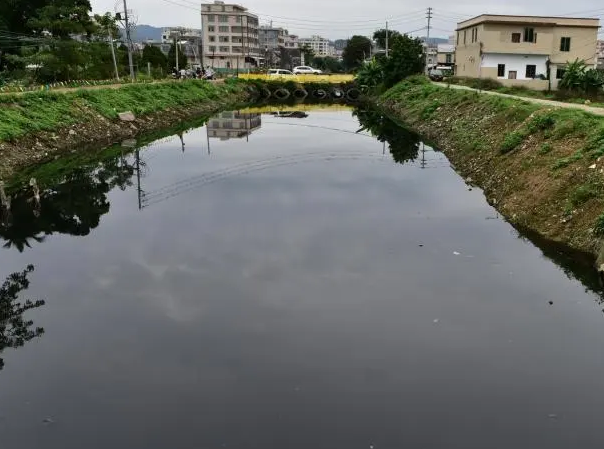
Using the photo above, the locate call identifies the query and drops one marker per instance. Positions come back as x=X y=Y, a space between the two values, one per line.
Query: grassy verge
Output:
x=542 y=166
x=29 y=113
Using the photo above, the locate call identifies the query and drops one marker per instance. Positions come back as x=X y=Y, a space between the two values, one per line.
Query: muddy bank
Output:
x=93 y=128
x=542 y=168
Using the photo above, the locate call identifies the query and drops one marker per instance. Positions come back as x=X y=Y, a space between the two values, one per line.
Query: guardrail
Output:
x=333 y=79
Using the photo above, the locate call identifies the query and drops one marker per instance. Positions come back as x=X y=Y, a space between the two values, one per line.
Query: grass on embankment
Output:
x=542 y=166
x=29 y=113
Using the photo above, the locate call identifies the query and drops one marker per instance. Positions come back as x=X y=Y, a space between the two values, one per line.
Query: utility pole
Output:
x=129 y=40
x=117 y=73
x=386 y=38
x=176 y=48
x=429 y=17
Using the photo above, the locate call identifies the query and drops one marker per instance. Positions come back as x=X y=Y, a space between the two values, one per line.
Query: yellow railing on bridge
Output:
x=302 y=79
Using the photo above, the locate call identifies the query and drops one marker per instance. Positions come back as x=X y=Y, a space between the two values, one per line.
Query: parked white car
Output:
x=306 y=70
x=279 y=73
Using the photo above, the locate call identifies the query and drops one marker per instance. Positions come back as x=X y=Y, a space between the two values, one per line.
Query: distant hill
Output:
x=144 y=33
x=435 y=40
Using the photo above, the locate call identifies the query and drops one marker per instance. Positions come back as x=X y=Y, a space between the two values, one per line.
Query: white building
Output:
x=230 y=36
x=233 y=125
x=319 y=45
x=169 y=34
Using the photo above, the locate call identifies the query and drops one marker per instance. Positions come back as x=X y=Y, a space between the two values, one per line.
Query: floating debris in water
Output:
x=456 y=253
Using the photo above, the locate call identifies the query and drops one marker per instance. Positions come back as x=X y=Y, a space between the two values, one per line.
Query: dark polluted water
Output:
x=287 y=280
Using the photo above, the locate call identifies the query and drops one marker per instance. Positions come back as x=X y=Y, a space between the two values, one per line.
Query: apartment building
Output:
x=230 y=36
x=189 y=40
x=320 y=45
x=523 y=50
x=271 y=38
x=233 y=125
x=292 y=41
x=445 y=56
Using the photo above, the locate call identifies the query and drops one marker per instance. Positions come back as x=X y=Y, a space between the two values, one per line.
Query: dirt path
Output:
x=100 y=86
x=555 y=104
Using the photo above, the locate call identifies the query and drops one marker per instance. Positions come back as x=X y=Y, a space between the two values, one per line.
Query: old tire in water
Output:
x=300 y=94
x=319 y=94
x=353 y=94
x=266 y=93
x=281 y=94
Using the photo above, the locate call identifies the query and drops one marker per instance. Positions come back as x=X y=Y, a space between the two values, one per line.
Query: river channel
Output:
x=308 y=278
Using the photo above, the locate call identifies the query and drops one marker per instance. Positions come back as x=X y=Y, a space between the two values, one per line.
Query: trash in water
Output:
x=436 y=320
x=551 y=303
x=456 y=253
x=552 y=416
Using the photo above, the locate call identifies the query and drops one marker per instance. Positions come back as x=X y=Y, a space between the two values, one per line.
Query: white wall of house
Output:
x=516 y=63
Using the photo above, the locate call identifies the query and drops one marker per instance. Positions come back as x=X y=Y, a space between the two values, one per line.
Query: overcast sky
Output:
x=343 y=18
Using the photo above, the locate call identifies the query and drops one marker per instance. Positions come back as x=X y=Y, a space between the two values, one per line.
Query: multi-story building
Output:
x=445 y=56
x=233 y=125
x=431 y=53
x=189 y=42
x=524 y=50
x=169 y=34
x=230 y=36
x=319 y=45
x=292 y=41
x=600 y=49
x=272 y=38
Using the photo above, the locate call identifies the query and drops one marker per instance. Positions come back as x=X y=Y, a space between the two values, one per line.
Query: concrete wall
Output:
x=516 y=63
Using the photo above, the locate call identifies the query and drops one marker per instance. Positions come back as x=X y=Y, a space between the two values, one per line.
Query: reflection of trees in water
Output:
x=403 y=143
x=14 y=330
x=72 y=206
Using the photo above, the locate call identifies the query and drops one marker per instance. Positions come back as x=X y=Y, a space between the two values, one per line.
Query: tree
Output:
x=328 y=64
x=155 y=56
x=357 y=50
x=63 y=18
x=182 y=59
x=380 y=37
x=14 y=330
x=308 y=53
x=406 y=58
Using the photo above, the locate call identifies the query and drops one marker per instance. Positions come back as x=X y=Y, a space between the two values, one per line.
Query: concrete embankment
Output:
x=37 y=127
x=541 y=166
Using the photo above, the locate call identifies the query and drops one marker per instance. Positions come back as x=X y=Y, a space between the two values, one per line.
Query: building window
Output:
x=458 y=40
x=223 y=39
x=516 y=38
x=512 y=74
x=560 y=73
x=531 y=71
x=565 y=44
x=223 y=29
x=449 y=59
x=211 y=29
x=224 y=49
x=465 y=35
x=530 y=35
x=211 y=18
x=212 y=48
x=223 y=19
x=212 y=38
x=500 y=70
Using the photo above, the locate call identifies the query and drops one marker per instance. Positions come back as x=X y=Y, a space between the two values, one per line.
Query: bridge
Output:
x=302 y=79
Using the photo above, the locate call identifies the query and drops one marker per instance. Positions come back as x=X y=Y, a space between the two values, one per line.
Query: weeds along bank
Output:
x=35 y=127
x=542 y=167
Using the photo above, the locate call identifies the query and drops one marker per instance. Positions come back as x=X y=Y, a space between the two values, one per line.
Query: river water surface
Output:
x=290 y=281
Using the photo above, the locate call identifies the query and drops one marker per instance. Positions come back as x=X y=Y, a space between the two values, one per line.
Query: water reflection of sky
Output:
x=329 y=298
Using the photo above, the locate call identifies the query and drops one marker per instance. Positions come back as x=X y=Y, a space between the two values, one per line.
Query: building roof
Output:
x=533 y=20
x=446 y=48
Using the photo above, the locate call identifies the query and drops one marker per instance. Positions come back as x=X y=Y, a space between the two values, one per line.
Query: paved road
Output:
x=555 y=104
